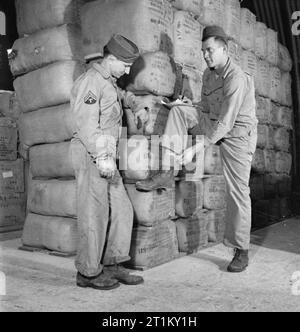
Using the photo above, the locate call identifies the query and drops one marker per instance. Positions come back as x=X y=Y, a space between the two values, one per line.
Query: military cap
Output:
x=122 y=48
x=214 y=31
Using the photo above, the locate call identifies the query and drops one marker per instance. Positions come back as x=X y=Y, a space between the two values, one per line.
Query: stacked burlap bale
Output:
x=46 y=60
x=273 y=158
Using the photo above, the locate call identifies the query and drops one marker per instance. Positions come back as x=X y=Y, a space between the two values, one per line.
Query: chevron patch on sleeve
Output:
x=90 y=98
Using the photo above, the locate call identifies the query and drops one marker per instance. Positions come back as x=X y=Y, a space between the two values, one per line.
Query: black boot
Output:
x=161 y=180
x=240 y=261
x=101 y=282
x=121 y=274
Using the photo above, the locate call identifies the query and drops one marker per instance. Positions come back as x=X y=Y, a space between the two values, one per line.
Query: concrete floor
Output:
x=38 y=282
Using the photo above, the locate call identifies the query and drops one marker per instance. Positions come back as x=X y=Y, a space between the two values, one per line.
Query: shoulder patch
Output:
x=90 y=98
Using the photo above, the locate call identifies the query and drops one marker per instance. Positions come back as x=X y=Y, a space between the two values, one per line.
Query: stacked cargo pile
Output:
x=200 y=205
x=154 y=238
x=12 y=184
x=271 y=180
x=45 y=62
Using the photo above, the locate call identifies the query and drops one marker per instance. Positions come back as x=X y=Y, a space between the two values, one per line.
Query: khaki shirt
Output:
x=97 y=110
x=229 y=99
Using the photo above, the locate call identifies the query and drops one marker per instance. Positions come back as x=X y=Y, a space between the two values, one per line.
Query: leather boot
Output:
x=101 y=282
x=121 y=274
x=240 y=261
x=161 y=180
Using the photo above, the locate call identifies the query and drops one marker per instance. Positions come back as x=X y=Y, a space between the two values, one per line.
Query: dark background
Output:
x=277 y=14
x=8 y=7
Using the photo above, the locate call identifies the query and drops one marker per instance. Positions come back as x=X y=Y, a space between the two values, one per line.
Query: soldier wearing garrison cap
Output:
x=228 y=97
x=105 y=214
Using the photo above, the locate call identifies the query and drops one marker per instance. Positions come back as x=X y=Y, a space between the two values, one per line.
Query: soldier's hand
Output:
x=186 y=100
x=141 y=117
x=106 y=166
x=187 y=156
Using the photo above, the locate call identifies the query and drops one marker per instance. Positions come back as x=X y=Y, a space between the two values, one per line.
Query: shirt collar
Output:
x=226 y=69
x=104 y=73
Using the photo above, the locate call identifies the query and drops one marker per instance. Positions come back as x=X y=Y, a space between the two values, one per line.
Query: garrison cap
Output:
x=123 y=49
x=214 y=31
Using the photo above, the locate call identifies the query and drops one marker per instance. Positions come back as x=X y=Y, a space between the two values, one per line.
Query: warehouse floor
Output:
x=38 y=282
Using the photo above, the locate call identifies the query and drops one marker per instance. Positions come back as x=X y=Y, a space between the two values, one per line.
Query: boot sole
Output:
x=99 y=287
x=237 y=271
x=144 y=189
x=130 y=283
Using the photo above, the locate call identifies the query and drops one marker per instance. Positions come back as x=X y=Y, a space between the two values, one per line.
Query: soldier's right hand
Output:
x=106 y=166
x=141 y=116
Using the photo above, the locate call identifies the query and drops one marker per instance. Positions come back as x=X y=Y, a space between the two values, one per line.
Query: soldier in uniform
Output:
x=227 y=117
x=105 y=214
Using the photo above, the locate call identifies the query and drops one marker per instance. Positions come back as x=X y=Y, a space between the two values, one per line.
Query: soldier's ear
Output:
x=111 y=57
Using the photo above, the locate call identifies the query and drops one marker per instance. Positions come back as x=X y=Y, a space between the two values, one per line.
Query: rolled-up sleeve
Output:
x=85 y=105
x=234 y=95
x=134 y=103
x=128 y=99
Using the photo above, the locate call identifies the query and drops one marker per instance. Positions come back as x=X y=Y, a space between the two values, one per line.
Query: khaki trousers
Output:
x=105 y=216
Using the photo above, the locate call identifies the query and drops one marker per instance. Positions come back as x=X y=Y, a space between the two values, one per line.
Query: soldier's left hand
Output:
x=107 y=167
x=141 y=116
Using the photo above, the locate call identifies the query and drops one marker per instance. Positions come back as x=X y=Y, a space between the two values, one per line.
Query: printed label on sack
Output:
x=2 y=284
x=7 y=175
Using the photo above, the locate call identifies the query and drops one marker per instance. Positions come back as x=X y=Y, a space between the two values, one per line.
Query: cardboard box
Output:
x=12 y=176
x=8 y=139
x=12 y=210
x=192 y=232
x=153 y=246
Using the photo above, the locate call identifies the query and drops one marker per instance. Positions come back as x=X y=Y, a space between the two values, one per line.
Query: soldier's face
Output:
x=214 y=53
x=119 y=68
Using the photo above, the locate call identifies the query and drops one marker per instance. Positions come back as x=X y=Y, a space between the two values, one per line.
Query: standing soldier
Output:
x=228 y=96
x=105 y=214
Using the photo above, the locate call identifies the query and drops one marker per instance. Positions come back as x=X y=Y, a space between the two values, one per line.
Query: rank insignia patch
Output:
x=90 y=99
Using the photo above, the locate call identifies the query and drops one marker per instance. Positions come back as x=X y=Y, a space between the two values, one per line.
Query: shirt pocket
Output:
x=215 y=98
x=110 y=111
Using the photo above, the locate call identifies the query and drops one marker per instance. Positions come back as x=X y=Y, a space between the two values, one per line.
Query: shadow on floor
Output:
x=221 y=263
x=284 y=236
